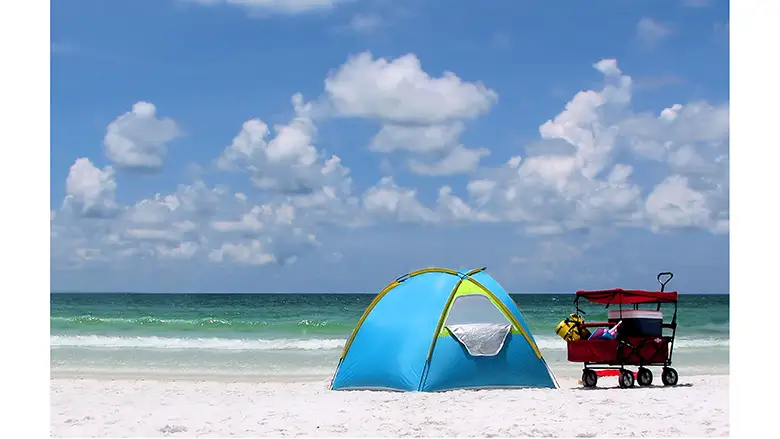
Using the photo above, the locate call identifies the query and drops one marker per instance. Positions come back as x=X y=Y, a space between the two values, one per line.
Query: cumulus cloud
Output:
x=674 y=204
x=195 y=221
x=259 y=218
x=289 y=162
x=661 y=137
x=296 y=190
x=586 y=120
x=460 y=160
x=91 y=192
x=569 y=179
x=251 y=253
x=299 y=189
x=575 y=177
x=452 y=208
x=387 y=200
x=138 y=140
x=421 y=115
x=692 y=140
x=417 y=138
x=400 y=91
x=554 y=193
x=434 y=150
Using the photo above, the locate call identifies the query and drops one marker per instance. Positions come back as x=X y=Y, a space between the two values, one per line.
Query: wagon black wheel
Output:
x=626 y=379
x=589 y=378
x=644 y=377
x=669 y=376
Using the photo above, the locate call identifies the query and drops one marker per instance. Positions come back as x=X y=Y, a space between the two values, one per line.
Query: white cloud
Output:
x=576 y=177
x=608 y=67
x=679 y=126
x=454 y=208
x=184 y=250
x=259 y=218
x=693 y=141
x=650 y=32
x=435 y=149
x=194 y=221
x=553 y=193
x=569 y=180
x=138 y=139
x=301 y=188
x=585 y=123
x=151 y=211
x=674 y=204
x=417 y=138
x=251 y=253
x=288 y=163
x=91 y=192
x=388 y=200
x=172 y=226
x=421 y=115
x=261 y=8
x=268 y=233
x=399 y=91
x=460 y=160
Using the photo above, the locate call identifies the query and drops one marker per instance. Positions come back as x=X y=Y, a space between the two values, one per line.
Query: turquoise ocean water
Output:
x=298 y=336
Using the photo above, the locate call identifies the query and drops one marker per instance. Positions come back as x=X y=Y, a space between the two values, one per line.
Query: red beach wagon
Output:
x=637 y=337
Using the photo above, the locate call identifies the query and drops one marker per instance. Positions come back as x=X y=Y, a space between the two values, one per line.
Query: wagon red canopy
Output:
x=619 y=296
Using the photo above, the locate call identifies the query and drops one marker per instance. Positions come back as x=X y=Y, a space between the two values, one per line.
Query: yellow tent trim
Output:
x=475 y=271
x=387 y=289
x=465 y=291
x=511 y=316
x=447 y=304
x=446 y=309
x=496 y=301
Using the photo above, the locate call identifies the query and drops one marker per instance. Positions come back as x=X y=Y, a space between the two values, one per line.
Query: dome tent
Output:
x=438 y=329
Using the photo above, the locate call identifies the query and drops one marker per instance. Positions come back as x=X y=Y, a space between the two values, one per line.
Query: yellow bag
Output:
x=569 y=329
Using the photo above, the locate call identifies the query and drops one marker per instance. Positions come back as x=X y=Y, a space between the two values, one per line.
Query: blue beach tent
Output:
x=437 y=329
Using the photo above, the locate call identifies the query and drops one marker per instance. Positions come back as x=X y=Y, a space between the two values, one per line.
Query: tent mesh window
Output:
x=478 y=325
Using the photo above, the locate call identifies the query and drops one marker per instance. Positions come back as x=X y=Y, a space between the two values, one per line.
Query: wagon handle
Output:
x=663 y=283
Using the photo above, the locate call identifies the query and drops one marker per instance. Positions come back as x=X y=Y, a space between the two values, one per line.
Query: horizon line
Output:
x=324 y=292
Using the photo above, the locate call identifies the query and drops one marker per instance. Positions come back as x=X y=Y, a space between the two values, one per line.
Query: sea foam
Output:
x=307 y=344
x=154 y=342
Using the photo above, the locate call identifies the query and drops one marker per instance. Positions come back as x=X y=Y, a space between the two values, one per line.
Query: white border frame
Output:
x=24 y=179
x=753 y=92
x=25 y=112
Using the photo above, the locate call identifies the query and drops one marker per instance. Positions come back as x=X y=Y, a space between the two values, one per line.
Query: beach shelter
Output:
x=438 y=329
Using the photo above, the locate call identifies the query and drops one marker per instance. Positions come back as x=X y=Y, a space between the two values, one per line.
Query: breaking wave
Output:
x=175 y=343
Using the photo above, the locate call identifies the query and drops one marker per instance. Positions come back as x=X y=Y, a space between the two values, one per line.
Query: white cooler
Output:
x=638 y=322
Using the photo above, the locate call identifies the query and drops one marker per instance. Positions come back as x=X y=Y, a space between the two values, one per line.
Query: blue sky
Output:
x=325 y=145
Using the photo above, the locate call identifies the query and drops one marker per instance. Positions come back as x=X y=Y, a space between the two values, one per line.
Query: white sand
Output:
x=122 y=408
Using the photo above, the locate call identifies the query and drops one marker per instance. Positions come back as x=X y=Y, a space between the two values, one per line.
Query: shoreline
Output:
x=561 y=376
x=192 y=378
x=95 y=407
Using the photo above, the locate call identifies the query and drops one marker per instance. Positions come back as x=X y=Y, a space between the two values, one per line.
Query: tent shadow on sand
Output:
x=438 y=329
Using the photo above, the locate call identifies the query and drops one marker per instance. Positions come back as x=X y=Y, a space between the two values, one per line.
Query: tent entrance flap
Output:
x=481 y=339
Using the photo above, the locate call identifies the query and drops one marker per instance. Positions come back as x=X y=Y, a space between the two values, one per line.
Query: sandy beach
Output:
x=260 y=366
x=154 y=408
